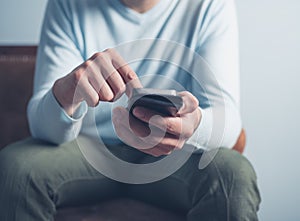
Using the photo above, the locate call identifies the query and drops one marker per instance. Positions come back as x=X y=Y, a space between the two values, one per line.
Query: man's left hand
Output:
x=167 y=133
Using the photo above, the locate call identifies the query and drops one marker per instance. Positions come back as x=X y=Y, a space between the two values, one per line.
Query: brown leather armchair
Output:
x=16 y=79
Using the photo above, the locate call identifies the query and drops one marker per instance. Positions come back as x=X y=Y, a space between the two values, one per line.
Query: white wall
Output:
x=20 y=21
x=270 y=64
x=270 y=45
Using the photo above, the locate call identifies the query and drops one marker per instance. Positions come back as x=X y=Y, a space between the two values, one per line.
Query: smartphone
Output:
x=166 y=102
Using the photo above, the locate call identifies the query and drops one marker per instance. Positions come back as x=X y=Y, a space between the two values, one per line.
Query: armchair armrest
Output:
x=241 y=142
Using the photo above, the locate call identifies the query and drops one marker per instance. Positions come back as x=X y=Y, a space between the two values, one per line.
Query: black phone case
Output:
x=166 y=102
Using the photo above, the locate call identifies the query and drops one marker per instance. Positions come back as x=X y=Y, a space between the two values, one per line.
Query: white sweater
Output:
x=163 y=46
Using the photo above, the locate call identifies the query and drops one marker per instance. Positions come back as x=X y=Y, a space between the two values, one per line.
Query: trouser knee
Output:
x=20 y=169
x=25 y=190
x=15 y=169
x=226 y=189
x=238 y=181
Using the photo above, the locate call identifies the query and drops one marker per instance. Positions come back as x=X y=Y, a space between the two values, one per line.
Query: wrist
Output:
x=62 y=98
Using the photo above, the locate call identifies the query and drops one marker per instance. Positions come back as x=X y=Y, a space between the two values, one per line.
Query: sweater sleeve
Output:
x=220 y=125
x=58 y=55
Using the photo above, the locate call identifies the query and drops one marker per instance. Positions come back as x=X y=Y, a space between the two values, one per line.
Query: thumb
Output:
x=190 y=103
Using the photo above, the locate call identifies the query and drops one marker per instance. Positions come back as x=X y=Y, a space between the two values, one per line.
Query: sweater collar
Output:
x=139 y=18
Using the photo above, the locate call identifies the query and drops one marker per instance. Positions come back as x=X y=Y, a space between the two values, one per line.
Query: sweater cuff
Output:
x=52 y=107
x=202 y=134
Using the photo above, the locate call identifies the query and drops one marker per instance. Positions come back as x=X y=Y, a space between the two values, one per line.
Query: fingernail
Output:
x=181 y=109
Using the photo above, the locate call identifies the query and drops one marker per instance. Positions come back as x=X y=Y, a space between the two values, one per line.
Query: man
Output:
x=87 y=60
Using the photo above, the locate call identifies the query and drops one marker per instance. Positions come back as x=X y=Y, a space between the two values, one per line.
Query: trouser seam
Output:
x=55 y=191
x=28 y=180
x=224 y=190
x=27 y=187
x=222 y=184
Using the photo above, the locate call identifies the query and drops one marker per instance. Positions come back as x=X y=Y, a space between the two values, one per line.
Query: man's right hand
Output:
x=103 y=77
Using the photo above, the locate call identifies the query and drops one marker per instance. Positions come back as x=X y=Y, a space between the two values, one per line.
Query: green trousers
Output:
x=37 y=178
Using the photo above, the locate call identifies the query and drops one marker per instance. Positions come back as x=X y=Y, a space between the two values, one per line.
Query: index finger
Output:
x=129 y=76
